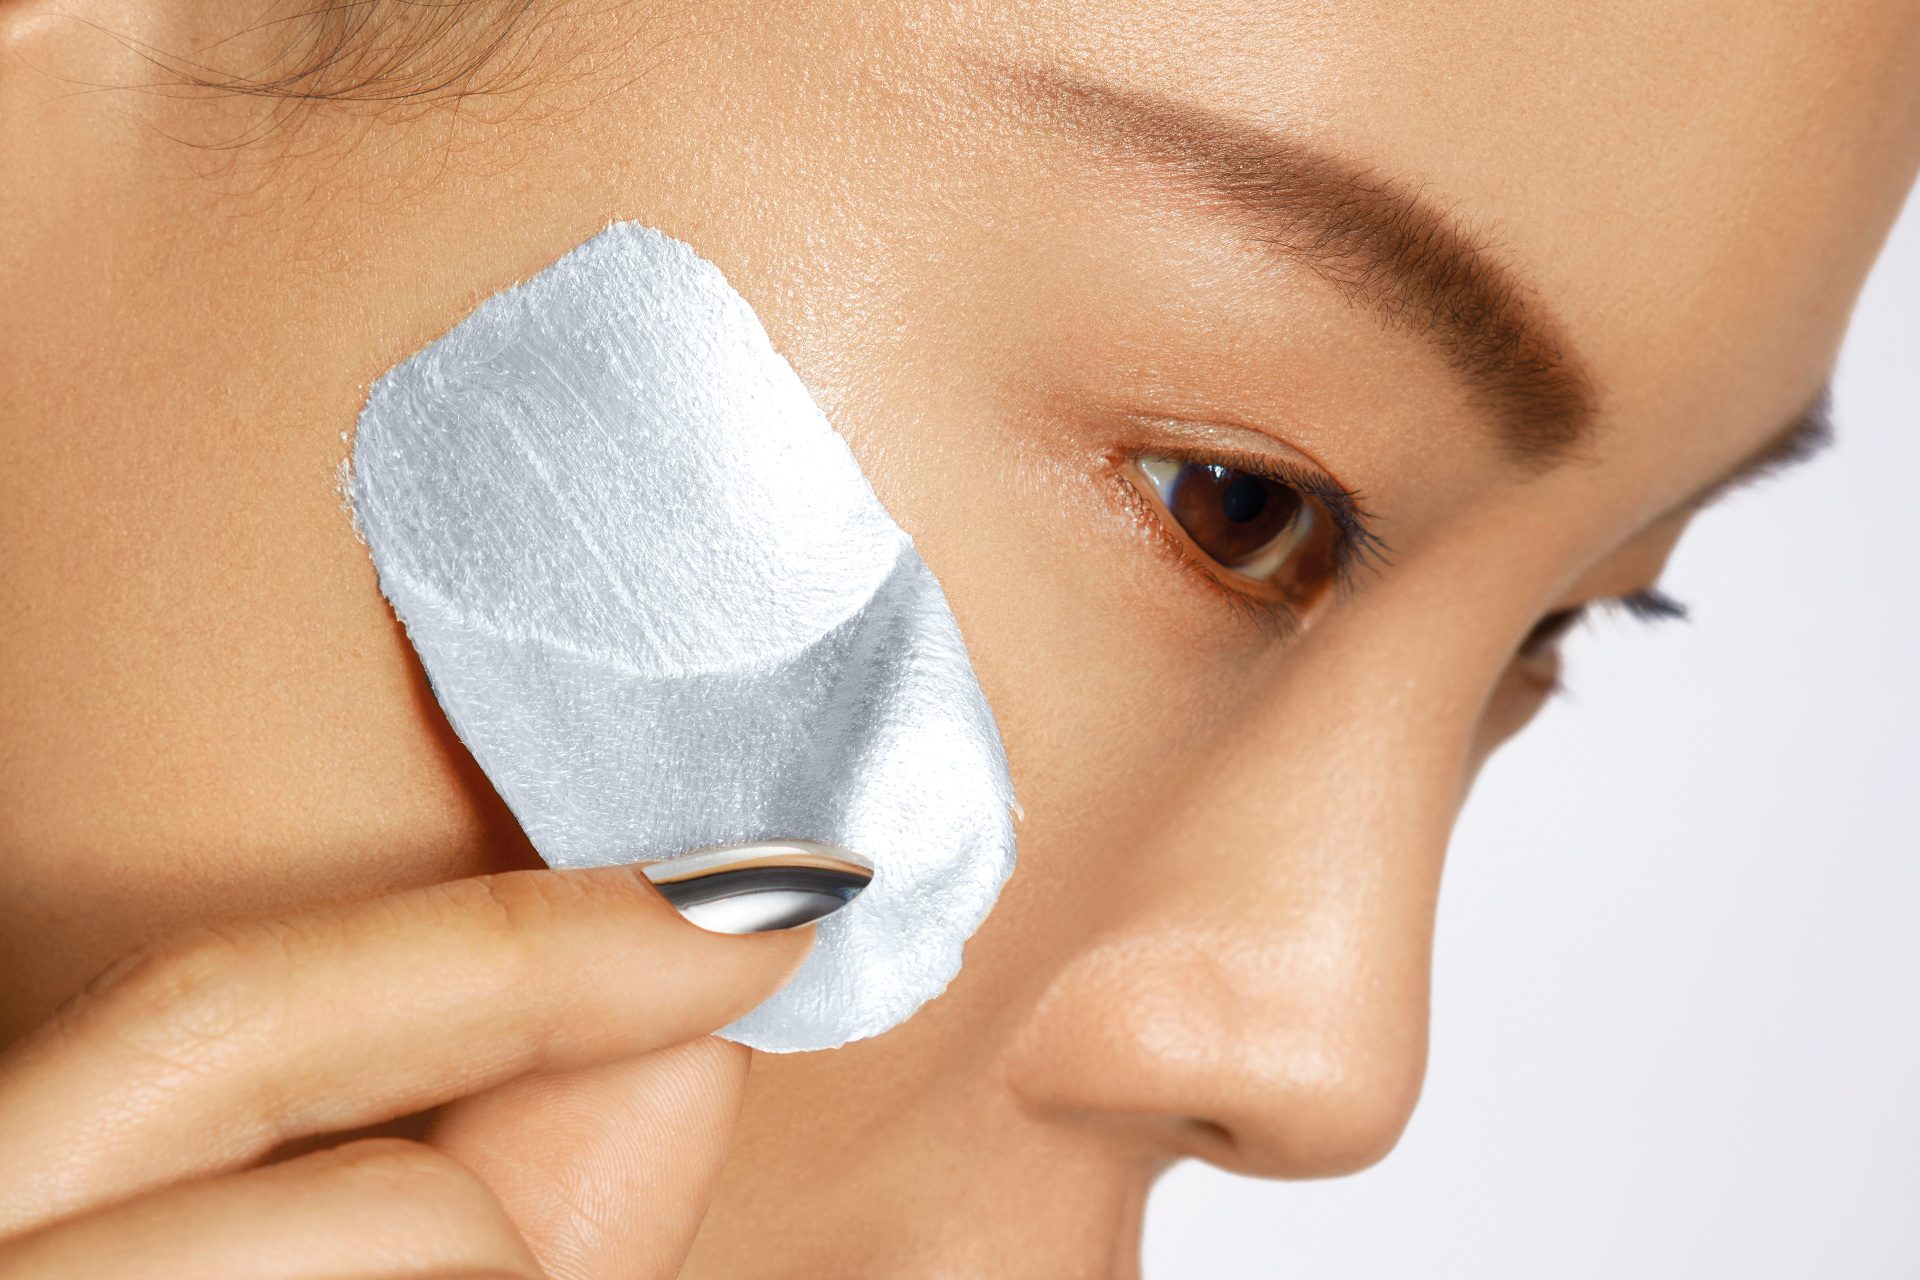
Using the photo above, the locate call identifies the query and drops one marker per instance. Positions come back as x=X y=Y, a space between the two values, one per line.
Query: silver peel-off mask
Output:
x=660 y=604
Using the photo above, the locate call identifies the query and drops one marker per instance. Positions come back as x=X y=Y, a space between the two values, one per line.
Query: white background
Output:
x=1677 y=978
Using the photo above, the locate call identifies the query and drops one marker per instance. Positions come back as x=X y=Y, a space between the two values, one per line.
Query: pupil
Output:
x=1243 y=499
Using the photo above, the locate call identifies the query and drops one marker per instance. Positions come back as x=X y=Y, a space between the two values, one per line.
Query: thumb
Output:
x=607 y=1172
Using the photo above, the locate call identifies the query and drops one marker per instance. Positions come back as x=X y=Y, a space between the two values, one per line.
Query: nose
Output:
x=1255 y=990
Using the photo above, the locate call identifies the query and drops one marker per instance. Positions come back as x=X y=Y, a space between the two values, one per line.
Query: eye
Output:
x=1257 y=528
x=1538 y=657
x=1550 y=630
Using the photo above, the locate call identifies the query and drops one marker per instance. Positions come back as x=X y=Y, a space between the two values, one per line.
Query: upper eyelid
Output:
x=1201 y=434
x=1199 y=439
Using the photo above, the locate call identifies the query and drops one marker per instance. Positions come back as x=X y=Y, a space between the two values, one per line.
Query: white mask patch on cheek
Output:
x=659 y=602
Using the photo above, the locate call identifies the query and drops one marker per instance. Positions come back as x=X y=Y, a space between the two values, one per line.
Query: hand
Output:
x=564 y=1015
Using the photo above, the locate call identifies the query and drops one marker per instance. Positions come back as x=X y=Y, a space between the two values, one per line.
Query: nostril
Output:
x=1300 y=1136
x=1301 y=1133
x=1274 y=1056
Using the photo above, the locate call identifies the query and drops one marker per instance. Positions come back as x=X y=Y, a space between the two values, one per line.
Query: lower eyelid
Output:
x=1283 y=547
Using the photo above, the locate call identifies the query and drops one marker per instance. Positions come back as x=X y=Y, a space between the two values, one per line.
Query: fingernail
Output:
x=756 y=888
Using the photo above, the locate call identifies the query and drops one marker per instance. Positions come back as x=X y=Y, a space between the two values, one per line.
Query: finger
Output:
x=199 y=1056
x=608 y=1171
x=376 y=1208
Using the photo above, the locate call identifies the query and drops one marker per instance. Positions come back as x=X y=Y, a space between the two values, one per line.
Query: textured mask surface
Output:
x=660 y=604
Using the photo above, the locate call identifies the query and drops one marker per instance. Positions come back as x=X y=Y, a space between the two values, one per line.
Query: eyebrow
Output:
x=1380 y=244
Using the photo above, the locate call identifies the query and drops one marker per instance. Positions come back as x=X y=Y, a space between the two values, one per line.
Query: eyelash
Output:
x=1356 y=545
x=1649 y=605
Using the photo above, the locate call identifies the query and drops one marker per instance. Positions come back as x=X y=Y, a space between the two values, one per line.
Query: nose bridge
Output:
x=1257 y=995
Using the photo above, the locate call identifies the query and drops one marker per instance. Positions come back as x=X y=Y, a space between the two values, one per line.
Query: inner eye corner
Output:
x=1159 y=469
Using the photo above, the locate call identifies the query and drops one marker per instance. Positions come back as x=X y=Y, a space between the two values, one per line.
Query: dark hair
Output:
x=365 y=51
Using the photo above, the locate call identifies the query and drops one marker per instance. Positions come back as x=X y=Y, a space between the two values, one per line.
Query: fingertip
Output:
x=751 y=965
x=785 y=950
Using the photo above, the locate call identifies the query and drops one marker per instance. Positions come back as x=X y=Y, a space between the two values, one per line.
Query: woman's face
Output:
x=1525 y=283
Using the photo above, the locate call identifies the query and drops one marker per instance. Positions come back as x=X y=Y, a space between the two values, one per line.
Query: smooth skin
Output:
x=976 y=235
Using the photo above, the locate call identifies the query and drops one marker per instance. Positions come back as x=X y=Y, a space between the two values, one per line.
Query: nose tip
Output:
x=1273 y=1057
x=1242 y=974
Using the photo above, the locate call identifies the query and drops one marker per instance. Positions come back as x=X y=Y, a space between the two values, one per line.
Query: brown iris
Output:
x=1259 y=528
x=1232 y=515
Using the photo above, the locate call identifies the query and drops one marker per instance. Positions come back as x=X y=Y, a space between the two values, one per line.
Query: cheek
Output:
x=1104 y=668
